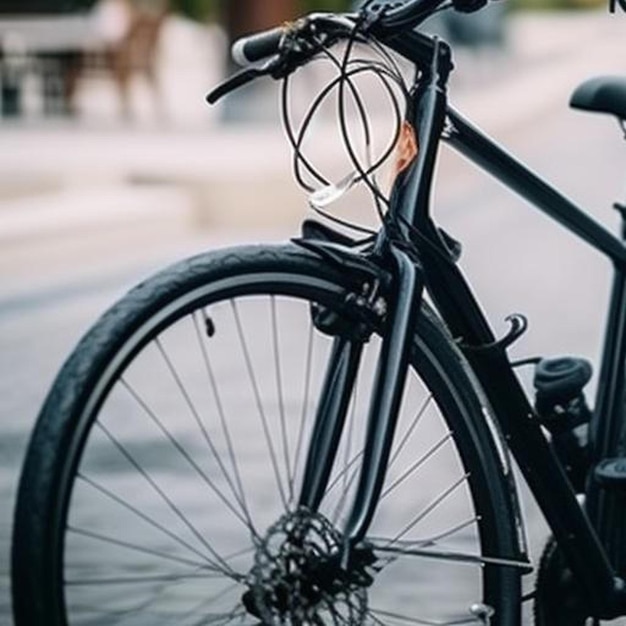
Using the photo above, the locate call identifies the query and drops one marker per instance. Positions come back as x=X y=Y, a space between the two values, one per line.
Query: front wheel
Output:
x=162 y=480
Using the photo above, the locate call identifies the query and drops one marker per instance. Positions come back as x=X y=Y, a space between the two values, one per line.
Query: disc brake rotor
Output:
x=298 y=578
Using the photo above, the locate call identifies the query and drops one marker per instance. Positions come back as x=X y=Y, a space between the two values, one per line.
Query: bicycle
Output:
x=280 y=503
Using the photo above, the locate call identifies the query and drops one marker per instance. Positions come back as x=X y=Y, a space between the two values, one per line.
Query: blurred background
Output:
x=112 y=165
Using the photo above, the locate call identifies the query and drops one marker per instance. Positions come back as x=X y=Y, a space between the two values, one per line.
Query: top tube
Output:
x=485 y=153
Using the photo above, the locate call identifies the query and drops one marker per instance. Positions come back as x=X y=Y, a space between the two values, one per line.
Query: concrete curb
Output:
x=87 y=209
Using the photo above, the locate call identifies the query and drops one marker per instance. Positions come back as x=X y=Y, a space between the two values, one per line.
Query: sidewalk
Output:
x=224 y=176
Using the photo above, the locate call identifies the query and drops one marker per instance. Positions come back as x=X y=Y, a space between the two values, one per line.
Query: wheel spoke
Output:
x=348 y=469
x=168 y=583
x=414 y=466
x=138 y=580
x=430 y=508
x=387 y=544
x=405 y=438
x=175 y=509
x=430 y=541
x=281 y=400
x=188 y=458
x=259 y=404
x=353 y=470
x=170 y=557
x=200 y=423
x=222 y=416
x=140 y=514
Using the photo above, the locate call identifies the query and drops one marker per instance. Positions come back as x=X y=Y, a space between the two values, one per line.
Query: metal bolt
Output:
x=483 y=612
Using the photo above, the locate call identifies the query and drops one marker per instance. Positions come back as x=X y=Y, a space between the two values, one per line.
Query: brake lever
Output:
x=242 y=78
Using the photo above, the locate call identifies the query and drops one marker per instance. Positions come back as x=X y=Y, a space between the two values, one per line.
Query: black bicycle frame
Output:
x=579 y=539
x=582 y=536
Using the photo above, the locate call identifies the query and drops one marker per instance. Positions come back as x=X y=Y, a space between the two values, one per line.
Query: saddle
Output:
x=602 y=94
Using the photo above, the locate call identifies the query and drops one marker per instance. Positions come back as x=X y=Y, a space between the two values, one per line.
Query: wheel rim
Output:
x=143 y=547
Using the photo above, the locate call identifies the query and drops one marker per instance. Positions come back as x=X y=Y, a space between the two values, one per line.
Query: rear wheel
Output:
x=161 y=482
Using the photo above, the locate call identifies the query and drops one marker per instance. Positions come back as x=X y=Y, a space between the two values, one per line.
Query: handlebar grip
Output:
x=240 y=79
x=257 y=47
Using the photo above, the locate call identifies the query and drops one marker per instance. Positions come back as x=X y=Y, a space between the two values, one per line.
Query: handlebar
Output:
x=297 y=36
x=275 y=44
x=258 y=46
x=265 y=44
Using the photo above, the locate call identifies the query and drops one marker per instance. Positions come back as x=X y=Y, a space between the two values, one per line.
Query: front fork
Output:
x=385 y=401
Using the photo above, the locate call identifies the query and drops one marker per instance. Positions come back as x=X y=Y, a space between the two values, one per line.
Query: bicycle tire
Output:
x=76 y=497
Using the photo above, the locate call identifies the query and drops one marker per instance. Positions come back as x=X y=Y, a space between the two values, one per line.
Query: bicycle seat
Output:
x=604 y=94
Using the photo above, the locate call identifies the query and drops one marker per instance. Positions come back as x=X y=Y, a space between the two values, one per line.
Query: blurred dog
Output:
x=127 y=34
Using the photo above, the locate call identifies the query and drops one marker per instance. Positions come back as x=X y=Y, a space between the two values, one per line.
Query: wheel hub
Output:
x=298 y=576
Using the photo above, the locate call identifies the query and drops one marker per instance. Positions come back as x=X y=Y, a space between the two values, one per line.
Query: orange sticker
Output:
x=406 y=149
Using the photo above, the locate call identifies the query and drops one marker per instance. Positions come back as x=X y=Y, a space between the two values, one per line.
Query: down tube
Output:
x=536 y=459
x=607 y=421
